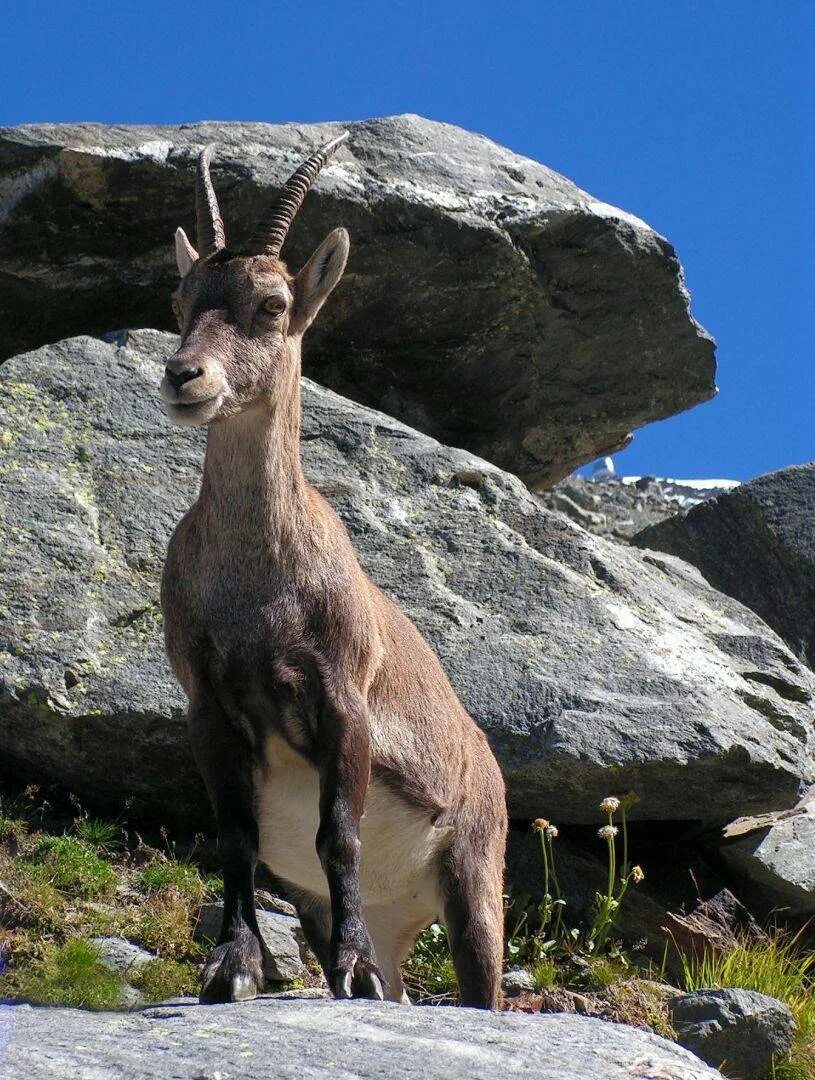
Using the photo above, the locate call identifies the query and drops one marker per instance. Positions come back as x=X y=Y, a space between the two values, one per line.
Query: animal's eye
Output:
x=274 y=305
x=176 y=306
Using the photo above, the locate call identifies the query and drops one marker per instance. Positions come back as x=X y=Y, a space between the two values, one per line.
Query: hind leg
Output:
x=472 y=885
x=474 y=918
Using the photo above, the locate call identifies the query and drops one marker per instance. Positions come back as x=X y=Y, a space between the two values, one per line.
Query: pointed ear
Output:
x=185 y=253
x=318 y=277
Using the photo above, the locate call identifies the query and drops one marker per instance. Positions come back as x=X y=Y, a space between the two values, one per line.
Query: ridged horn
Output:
x=211 y=236
x=271 y=232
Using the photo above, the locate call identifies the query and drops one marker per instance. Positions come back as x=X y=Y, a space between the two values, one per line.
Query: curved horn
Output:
x=271 y=231
x=211 y=237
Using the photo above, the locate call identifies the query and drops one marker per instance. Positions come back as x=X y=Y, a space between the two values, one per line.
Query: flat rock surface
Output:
x=329 y=1038
x=593 y=668
x=756 y=543
x=488 y=301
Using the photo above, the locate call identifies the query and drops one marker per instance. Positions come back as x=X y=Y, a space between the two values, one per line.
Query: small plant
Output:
x=544 y=974
x=429 y=973
x=552 y=906
x=69 y=974
x=164 y=923
x=12 y=829
x=70 y=865
x=103 y=836
x=607 y=904
x=539 y=932
x=776 y=965
x=604 y=971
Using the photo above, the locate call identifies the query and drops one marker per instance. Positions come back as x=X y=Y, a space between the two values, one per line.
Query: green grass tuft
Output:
x=103 y=836
x=69 y=974
x=545 y=974
x=162 y=978
x=12 y=828
x=164 y=923
x=70 y=865
x=604 y=972
x=160 y=875
x=779 y=967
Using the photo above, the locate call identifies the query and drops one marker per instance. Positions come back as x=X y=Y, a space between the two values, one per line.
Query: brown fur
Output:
x=281 y=640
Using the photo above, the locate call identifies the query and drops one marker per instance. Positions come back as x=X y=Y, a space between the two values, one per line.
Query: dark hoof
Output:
x=234 y=972
x=356 y=976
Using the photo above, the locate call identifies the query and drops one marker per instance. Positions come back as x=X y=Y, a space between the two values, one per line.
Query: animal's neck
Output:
x=253 y=489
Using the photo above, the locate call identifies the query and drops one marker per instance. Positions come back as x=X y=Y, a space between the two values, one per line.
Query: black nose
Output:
x=176 y=379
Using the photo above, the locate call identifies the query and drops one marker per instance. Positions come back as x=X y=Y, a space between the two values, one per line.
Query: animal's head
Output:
x=241 y=315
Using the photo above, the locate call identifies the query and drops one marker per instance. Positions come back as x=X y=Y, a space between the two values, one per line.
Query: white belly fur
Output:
x=401 y=847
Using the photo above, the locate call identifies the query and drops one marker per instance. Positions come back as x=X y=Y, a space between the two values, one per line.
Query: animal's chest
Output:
x=254 y=650
x=401 y=847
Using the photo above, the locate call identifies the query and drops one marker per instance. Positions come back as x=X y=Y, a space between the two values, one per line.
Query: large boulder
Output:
x=593 y=668
x=300 y=1040
x=488 y=302
x=756 y=543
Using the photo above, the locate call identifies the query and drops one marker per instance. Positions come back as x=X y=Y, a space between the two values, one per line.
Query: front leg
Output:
x=344 y=761
x=236 y=969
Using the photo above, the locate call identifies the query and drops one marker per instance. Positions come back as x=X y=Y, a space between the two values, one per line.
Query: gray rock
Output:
x=281 y=933
x=737 y=1030
x=131 y=999
x=121 y=956
x=517 y=981
x=756 y=543
x=488 y=302
x=304 y=1039
x=775 y=854
x=593 y=668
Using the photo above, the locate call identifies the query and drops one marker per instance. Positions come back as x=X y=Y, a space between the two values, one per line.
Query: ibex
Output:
x=333 y=748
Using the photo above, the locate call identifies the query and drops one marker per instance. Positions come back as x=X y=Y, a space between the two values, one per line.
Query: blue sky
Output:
x=695 y=116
